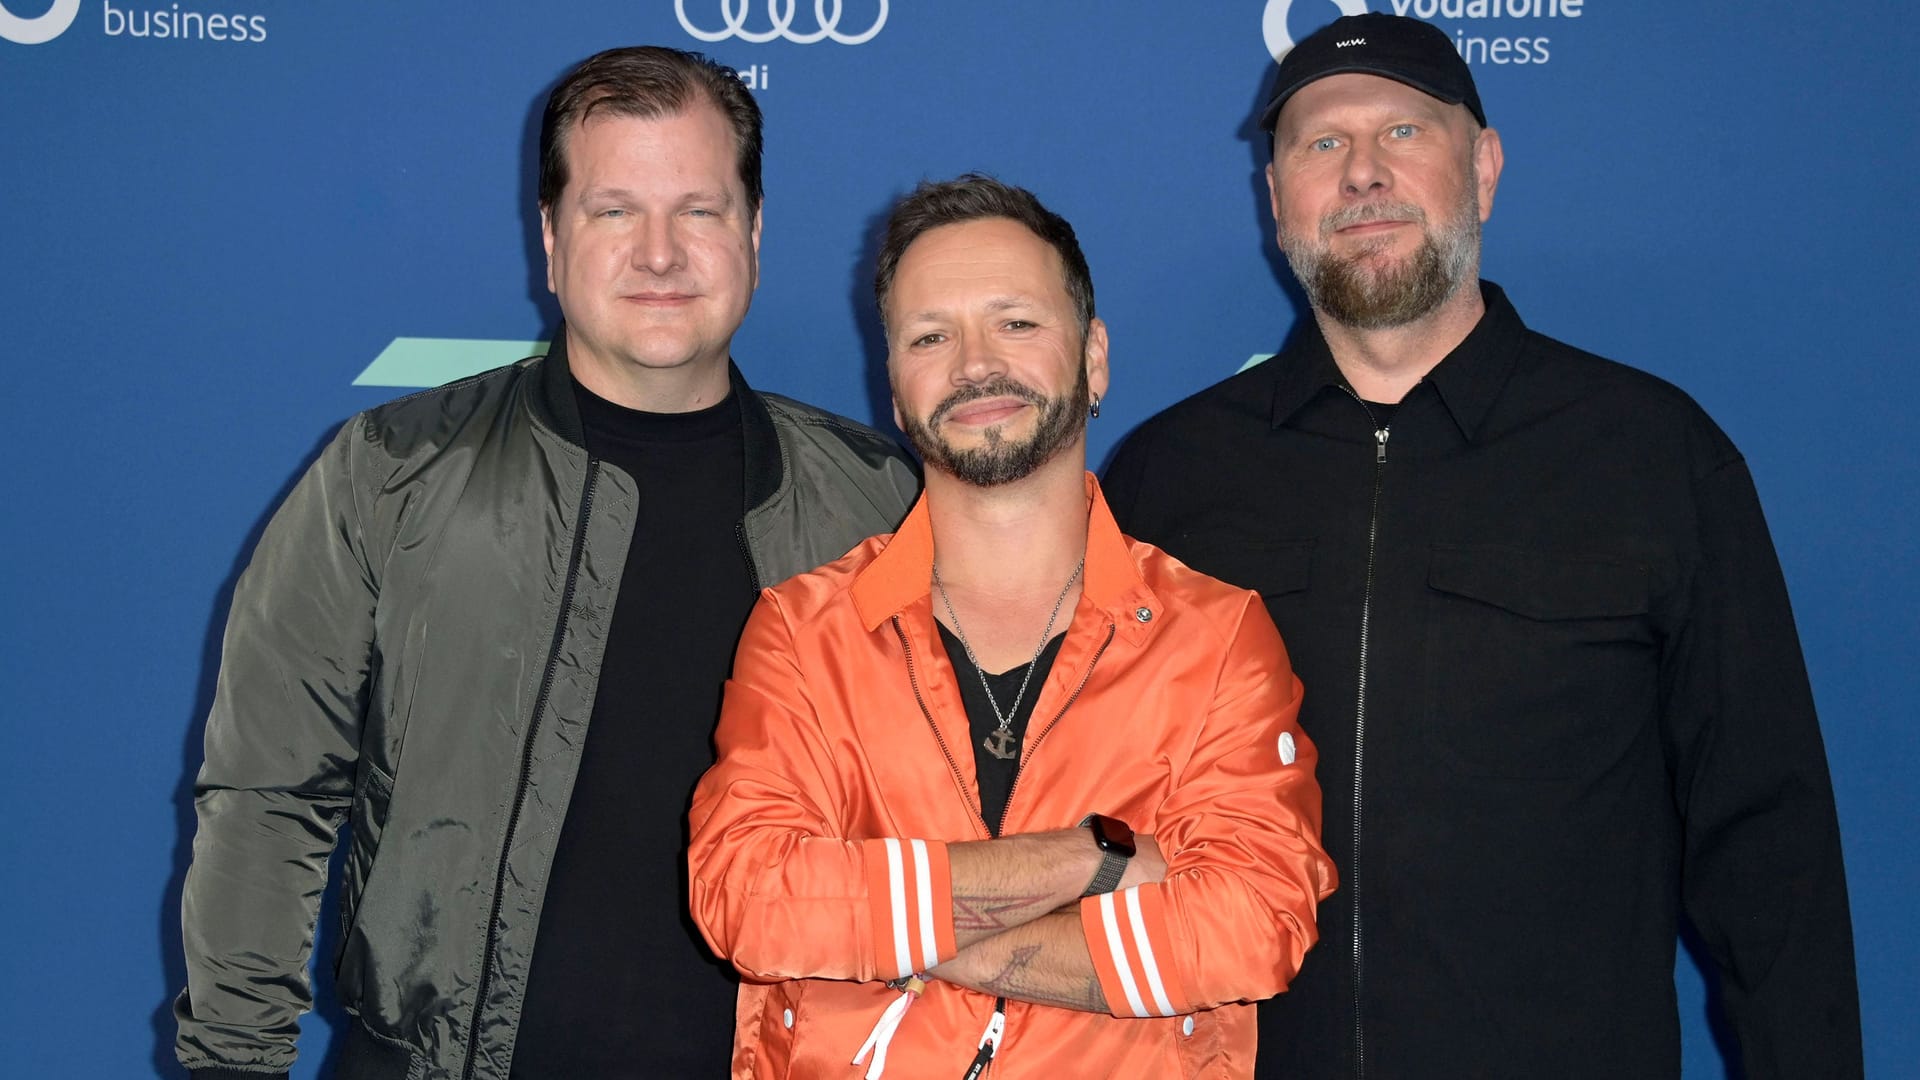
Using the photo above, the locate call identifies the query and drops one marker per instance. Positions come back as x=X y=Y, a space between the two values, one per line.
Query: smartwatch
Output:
x=1115 y=840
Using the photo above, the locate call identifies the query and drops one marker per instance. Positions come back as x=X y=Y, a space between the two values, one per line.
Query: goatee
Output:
x=1000 y=461
x=1356 y=291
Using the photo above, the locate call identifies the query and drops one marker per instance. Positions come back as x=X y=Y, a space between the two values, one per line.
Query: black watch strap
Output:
x=1115 y=840
x=1113 y=866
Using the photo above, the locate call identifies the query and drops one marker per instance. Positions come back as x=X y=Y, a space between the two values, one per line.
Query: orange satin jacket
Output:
x=818 y=857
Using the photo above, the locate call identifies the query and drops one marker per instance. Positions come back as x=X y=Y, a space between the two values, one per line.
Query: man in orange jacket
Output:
x=1005 y=788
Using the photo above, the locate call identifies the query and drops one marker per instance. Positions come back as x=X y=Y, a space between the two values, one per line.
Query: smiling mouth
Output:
x=984 y=413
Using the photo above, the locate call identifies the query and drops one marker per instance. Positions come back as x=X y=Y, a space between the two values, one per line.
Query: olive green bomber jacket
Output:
x=415 y=647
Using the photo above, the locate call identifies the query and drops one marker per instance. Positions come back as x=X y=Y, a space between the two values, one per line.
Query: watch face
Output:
x=1113 y=835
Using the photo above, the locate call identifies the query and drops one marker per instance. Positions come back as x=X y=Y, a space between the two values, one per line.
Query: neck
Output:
x=1382 y=365
x=1005 y=553
x=688 y=387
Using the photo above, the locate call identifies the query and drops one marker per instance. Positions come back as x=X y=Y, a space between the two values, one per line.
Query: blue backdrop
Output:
x=216 y=215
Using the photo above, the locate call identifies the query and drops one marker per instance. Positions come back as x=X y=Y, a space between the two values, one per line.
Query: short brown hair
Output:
x=647 y=81
x=975 y=197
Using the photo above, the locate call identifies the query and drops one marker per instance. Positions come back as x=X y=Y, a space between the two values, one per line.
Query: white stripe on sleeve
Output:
x=1145 y=946
x=1119 y=951
x=896 y=882
x=923 y=881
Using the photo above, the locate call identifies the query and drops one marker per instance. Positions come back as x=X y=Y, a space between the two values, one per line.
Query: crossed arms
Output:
x=780 y=887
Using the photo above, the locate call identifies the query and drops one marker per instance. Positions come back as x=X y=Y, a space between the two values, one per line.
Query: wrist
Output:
x=1113 y=843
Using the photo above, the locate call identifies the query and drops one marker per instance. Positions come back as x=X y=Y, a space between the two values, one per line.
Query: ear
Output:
x=1488 y=158
x=546 y=239
x=1096 y=351
x=756 y=244
x=1273 y=194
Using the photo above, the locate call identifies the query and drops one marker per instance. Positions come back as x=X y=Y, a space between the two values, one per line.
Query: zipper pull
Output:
x=989 y=1041
x=1380 y=447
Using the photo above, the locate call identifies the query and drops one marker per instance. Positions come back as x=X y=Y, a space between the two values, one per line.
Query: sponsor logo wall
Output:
x=135 y=21
x=227 y=225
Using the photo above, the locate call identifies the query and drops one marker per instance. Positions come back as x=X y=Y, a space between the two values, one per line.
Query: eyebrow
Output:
x=1420 y=113
x=722 y=197
x=994 y=304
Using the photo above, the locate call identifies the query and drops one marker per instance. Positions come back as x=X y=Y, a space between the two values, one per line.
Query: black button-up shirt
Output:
x=1552 y=673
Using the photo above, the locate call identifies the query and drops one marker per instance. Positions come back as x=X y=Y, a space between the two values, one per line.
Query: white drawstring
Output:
x=882 y=1033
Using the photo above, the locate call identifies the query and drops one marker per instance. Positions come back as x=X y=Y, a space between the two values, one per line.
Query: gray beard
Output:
x=1354 y=294
x=999 y=461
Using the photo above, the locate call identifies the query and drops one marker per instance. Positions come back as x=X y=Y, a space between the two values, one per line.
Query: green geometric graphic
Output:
x=427 y=361
x=414 y=362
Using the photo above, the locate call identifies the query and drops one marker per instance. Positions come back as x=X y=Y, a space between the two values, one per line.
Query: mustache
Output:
x=998 y=386
x=1373 y=211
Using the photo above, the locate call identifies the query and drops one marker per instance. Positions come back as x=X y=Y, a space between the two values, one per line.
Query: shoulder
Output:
x=427 y=420
x=1197 y=599
x=817 y=426
x=1553 y=374
x=824 y=593
x=1242 y=400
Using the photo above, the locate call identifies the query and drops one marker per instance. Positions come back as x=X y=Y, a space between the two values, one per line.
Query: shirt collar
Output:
x=1468 y=379
x=902 y=574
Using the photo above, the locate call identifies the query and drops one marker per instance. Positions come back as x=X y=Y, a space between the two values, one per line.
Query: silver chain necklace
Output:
x=1001 y=743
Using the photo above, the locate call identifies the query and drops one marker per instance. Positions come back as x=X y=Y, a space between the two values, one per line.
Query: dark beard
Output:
x=999 y=461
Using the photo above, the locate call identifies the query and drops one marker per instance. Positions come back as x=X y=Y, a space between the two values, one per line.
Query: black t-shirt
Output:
x=996 y=774
x=621 y=984
x=1381 y=413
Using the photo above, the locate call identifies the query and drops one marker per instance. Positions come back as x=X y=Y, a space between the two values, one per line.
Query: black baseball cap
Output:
x=1394 y=47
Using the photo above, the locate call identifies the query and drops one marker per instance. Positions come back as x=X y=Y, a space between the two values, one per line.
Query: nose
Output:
x=657 y=245
x=1365 y=172
x=979 y=360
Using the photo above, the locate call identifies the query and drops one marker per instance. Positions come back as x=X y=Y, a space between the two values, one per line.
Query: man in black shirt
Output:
x=1546 y=645
x=490 y=628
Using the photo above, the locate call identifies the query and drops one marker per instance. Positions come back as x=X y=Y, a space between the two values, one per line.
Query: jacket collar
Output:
x=902 y=574
x=766 y=464
x=554 y=397
x=1468 y=379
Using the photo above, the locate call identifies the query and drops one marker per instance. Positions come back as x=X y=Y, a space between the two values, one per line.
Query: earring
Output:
x=1093 y=411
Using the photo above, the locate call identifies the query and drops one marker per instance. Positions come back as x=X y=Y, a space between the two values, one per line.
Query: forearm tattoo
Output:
x=1023 y=979
x=993 y=914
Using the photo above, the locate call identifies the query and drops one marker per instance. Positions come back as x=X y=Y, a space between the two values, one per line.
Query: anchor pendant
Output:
x=1002 y=744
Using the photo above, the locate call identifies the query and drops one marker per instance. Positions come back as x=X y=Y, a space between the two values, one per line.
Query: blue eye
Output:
x=1402 y=131
x=1325 y=142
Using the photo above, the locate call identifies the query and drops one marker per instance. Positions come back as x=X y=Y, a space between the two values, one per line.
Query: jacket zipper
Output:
x=753 y=572
x=526 y=763
x=984 y=1060
x=913 y=679
x=1360 y=736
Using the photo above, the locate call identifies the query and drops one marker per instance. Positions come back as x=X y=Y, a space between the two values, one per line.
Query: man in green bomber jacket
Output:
x=489 y=629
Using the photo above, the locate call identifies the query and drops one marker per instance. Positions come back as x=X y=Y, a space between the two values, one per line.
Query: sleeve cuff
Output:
x=1132 y=952
x=911 y=890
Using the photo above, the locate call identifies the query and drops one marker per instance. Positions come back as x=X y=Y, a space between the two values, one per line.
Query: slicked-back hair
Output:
x=647 y=82
x=977 y=197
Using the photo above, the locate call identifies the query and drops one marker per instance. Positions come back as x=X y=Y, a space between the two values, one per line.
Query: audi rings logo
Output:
x=780 y=18
x=42 y=28
x=1273 y=25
